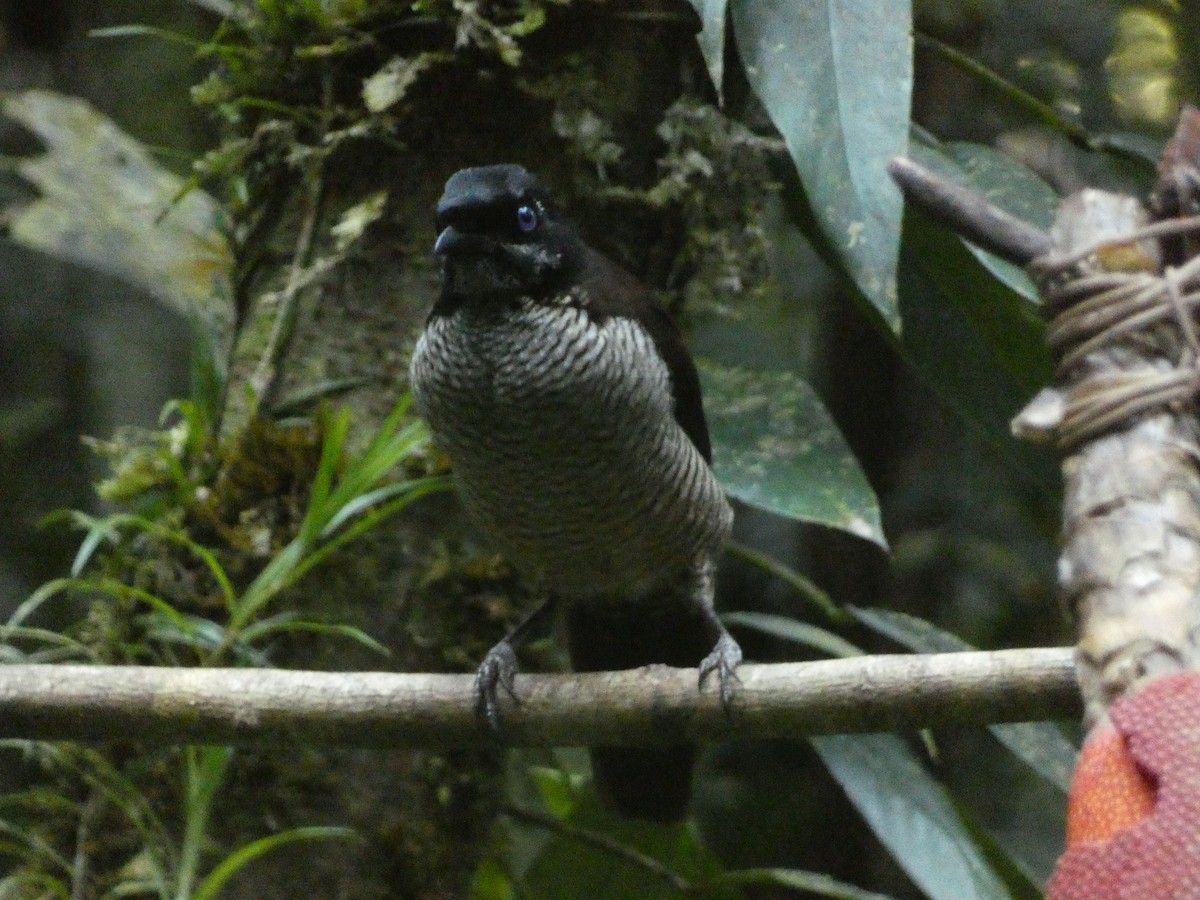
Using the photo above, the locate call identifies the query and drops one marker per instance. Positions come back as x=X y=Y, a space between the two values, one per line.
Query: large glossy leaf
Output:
x=1040 y=745
x=911 y=815
x=977 y=343
x=970 y=328
x=1009 y=327
x=712 y=38
x=836 y=77
x=775 y=447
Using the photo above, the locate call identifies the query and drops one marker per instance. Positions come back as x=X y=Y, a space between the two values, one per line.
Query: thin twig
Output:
x=266 y=374
x=601 y=842
x=265 y=379
x=1184 y=225
x=969 y=214
x=655 y=705
x=1039 y=109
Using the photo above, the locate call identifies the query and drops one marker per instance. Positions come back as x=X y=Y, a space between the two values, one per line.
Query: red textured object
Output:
x=1134 y=817
x=1109 y=793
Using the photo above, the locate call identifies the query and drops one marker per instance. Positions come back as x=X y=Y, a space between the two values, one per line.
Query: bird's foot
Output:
x=498 y=670
x=724 y=659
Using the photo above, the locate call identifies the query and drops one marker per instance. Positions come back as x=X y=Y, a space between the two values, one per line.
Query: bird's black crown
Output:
x=500 y=233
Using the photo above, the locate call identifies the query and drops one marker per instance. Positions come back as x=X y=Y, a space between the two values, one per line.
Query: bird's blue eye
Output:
x=527 y=219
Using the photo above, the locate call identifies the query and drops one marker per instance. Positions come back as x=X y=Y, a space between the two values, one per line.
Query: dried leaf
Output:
x=106 y=204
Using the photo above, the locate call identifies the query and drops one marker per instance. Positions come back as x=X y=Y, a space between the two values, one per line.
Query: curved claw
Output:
x=724 y=659
x=498 y=670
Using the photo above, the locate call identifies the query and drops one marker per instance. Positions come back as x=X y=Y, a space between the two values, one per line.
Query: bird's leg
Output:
x=726 y=655
x=499 y=667
x=724 y=659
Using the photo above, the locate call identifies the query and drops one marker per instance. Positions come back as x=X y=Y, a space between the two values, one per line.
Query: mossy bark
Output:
x=580 y=103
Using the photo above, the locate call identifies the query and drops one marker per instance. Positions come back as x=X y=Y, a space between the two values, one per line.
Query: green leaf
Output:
x=38 y=848
x=815 y=883
x=34 y=602
x=911 y=815
x=337 y=428
x=909 y=631
x=775 y=447
x=278 y=574
x=1013 y=187
x=351 y=500
x=90 y=767
x=165 y=34
x=712 y=38
x=554 y=789
x=970 y=329
x=491 y=882
x=1019 y=877
x=594 y=855
x=836 y=77
x=210 y=887
x=794 y=630
x=22 y=885
x=207 y=394
x=371 y=519
x=304 y=398
x=109 y=587
x=978 y=344
x=789 y=576
x=1040 y=745
x=1142 y=147
x=1010 y=330
x=388 y=447
x=355 y=221
x=97 y=531
x=58 y=647
x=108 y=529
x=1004 y=182
x=285 y=623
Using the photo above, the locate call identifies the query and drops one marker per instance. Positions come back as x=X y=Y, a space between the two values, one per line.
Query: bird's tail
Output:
x=652 y=784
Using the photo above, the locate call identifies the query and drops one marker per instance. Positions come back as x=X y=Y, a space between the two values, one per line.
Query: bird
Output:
x=571 y=413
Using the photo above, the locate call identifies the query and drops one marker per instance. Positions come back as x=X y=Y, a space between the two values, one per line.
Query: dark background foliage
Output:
x=701 y=200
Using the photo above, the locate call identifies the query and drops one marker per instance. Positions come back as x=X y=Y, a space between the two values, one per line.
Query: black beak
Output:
x=452 y=242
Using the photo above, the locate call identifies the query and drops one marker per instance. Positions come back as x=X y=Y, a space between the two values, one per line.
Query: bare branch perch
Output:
x=653 y=705
x=969 y=213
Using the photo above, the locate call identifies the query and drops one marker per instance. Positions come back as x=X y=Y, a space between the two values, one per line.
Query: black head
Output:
x=500 y=233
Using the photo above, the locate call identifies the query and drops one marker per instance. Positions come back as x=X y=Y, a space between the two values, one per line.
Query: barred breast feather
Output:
x=559 y=426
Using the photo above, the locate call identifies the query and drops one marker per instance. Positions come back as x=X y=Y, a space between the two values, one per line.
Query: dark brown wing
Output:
x=613 y=292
